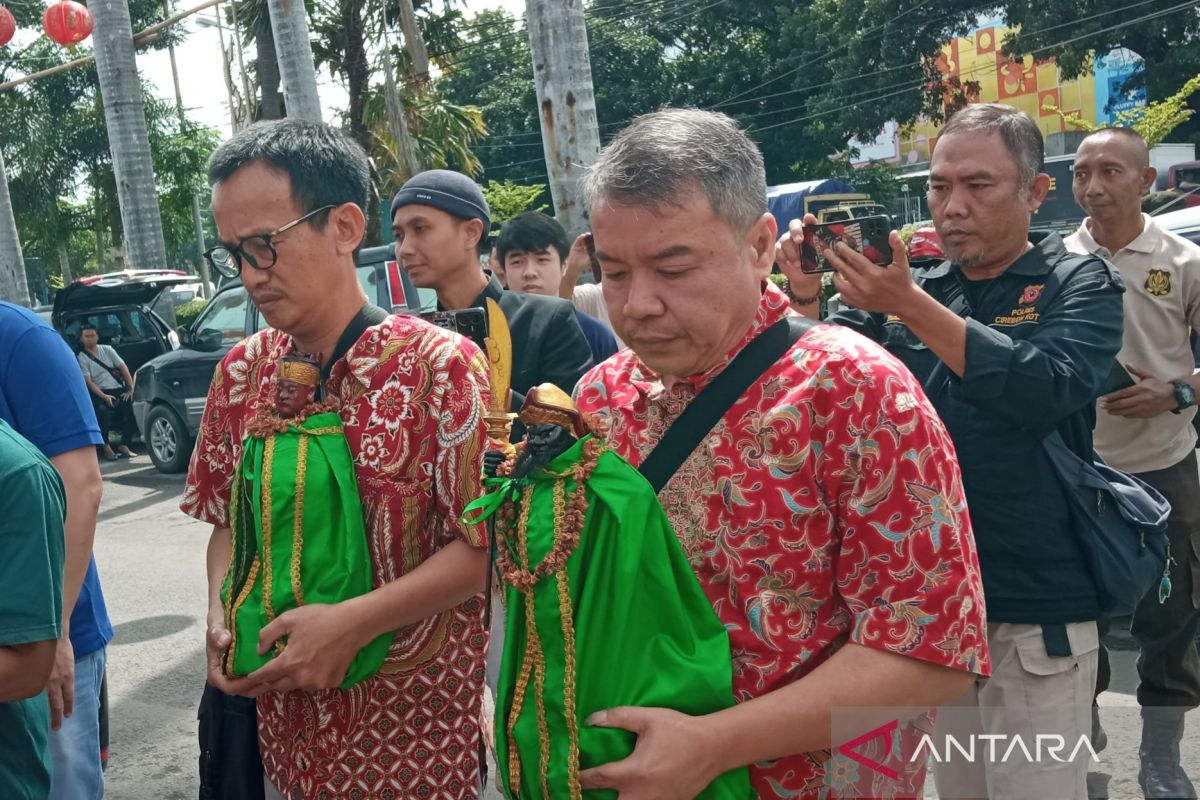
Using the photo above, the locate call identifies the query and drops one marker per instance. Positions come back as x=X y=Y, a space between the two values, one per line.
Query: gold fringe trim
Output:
x=298 y=518
x=267 y=506
x=233 y=612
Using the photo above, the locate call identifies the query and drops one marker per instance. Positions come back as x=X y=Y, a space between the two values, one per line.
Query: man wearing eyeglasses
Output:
x=288 y=199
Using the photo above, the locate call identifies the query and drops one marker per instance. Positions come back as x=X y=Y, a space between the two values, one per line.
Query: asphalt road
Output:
x=151 y=561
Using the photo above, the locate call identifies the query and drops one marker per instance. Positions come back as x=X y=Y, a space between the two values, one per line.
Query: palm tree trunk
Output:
x=64 y=263
x=13 y=286
x=397 y=119
x=297 y=72
x=125 y=116
x=358 y=75
x=414 y=43
x=267 y=68
x=562 y=71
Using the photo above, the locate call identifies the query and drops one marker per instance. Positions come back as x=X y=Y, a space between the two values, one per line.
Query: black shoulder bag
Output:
x=711 y=405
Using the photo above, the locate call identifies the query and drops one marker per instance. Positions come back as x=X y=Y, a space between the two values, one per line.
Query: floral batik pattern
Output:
x=411 y=398
x=826 y=507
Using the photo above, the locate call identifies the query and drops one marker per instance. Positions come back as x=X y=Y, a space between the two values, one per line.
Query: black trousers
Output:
x=1169 y=665
x=117 y=418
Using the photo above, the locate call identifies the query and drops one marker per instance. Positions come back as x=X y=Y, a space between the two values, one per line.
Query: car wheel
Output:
x=167 y=440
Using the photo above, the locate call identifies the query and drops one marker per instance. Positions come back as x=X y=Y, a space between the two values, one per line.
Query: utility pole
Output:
x=13 y=286
x=297 y=72
x=125 y=118
x=562 y=71
x=201 y=264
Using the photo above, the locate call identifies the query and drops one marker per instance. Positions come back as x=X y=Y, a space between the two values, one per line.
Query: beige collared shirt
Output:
x=1162 y=307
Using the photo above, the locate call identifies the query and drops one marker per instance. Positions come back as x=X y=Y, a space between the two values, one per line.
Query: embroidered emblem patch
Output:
x=1032 y=293
x=1158 y=283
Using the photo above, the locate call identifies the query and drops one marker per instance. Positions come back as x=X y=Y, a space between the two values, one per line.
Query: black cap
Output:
x=449 y=191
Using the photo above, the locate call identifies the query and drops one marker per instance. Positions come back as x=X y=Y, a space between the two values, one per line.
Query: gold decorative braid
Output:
x=233 y=612
x=326 y=431
x=569 y=516
x=522 y=686
x=226 y=595
x=266 y=498
x=235 y=508
x=566 y=614
x=535 y=659
x=298 y=517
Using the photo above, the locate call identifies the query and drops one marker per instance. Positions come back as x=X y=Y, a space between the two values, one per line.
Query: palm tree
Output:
x=125 y=115
x=289 y=24
x=13 y=286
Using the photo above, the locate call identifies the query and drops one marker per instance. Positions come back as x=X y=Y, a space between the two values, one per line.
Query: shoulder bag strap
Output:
x=115 y=372
x=707 y=409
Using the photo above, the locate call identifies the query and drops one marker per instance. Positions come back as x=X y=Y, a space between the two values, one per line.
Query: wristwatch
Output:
x=1185 y=396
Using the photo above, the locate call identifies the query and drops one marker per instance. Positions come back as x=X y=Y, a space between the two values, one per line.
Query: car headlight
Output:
x=173 y=338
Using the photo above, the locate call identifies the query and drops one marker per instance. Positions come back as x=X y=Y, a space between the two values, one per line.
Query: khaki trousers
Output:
x=1029 y=693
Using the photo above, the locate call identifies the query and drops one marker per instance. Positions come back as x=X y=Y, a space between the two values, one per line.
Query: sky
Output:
x=202 y=84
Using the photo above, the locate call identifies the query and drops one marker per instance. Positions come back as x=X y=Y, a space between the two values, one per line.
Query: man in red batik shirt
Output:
x=824 y=515
x=288 y=199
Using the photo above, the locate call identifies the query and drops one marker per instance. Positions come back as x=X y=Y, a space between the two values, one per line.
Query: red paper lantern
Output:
x=8 y=26
x=67 y=22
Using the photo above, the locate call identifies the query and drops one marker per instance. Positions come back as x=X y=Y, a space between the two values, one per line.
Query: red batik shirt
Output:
x=827 y=506
x=411 y=400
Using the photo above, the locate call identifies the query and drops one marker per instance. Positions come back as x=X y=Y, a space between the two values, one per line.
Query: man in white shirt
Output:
x=586 y=297
x=1146 y=429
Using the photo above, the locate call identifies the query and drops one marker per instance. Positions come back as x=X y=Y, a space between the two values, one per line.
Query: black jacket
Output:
x=548 y=344
x=1041 y=340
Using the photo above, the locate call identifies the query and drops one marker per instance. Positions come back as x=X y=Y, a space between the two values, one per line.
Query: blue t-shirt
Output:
x=44 y=398
x=598 y=336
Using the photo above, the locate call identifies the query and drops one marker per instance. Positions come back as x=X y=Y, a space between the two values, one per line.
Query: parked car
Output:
x=1184 y=222
x=122 y=309
x=169 y=392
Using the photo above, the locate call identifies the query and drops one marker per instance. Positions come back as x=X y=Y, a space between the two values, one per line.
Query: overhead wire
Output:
x=906 y=87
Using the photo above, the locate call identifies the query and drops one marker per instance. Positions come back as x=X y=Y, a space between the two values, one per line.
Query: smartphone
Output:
x=591 y=248
x=868 y=235
x=1118 y=379
x=469 y=322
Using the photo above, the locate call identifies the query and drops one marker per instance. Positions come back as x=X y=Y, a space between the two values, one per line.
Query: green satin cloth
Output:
x=645 y=634
x=297 y=537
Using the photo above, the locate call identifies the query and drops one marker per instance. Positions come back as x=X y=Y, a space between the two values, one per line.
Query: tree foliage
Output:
x=1156 y=121
x=507 y=199
x=55 y=142
x=804 y=78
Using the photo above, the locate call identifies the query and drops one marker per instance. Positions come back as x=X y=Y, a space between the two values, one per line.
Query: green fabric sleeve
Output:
x=644 y=635
x=298 y=538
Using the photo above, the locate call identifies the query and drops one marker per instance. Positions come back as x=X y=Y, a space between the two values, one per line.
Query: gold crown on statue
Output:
x=300 y=369
x=547 y=404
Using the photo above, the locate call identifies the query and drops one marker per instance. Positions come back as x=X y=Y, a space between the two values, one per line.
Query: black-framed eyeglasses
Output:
x=257 y=251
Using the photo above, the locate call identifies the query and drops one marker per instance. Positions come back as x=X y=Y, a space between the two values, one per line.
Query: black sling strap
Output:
x=115 y=372
x=707 y=409
x=370 y=314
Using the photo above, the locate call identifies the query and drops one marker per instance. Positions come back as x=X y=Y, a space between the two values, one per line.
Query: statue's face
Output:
x=291 y=398
x=542 y=437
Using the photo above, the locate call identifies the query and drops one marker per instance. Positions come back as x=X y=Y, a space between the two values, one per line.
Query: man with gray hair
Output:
x=1012 y=342
x=815 y=508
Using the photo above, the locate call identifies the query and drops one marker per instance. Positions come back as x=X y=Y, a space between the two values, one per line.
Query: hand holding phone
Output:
x=469 y=322
x=868 y=235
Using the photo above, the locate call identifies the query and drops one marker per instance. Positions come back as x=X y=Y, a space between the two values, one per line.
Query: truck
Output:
x=829 y=200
